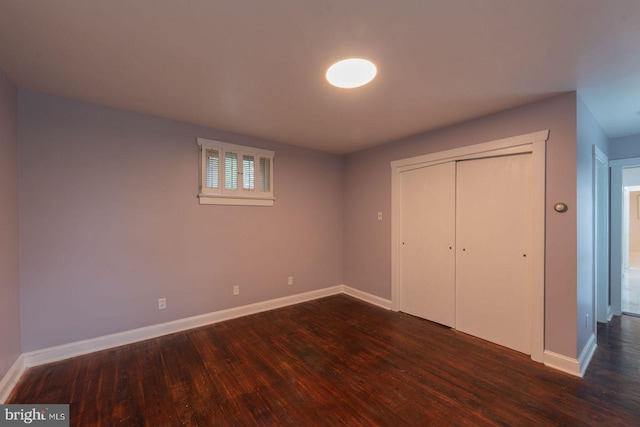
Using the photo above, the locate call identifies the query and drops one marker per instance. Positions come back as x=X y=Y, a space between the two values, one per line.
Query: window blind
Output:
x=265 y=174
x=212 y=172
x=248 y=178
x=230 y=171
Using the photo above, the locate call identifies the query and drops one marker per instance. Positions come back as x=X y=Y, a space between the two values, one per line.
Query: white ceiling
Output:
x=256 y=67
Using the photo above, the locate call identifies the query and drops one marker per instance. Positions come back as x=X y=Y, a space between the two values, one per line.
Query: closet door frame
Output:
x=534 y=143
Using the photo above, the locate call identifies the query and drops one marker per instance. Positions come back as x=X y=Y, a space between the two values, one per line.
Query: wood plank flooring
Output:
x=338 y=361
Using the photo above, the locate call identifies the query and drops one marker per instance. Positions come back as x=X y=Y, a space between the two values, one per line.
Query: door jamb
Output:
x=599 y=255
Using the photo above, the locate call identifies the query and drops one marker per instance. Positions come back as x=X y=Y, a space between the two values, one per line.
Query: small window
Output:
x=245 y=176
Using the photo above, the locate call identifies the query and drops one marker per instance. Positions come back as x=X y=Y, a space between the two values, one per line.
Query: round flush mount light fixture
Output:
x=350 y=73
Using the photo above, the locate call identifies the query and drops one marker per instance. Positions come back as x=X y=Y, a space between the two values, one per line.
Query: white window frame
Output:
x=239 y=196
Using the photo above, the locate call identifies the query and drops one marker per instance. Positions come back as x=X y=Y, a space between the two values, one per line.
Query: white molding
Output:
x=221 y=199
x=366 y=297
x=615 y=236
x=587 y=353
x=11 y=378
x=600 y=263
x=78 y=348
x=213 y=144
x=538 y=240
x=630 y=162
x=534 y=143
x=576 y=367
x=482 y=149
x=562 y=363
x=615 y=230
x=395 y=242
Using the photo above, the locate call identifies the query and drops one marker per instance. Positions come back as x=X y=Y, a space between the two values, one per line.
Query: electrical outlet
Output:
x=162 y=303
x=379 y=216
x=290 y=281
x=236 y=290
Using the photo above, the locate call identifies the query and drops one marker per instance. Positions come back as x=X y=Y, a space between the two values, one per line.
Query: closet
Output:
x=465 y=245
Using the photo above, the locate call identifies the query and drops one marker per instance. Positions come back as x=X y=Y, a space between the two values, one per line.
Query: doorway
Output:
x=625 y=178
x=631 y=243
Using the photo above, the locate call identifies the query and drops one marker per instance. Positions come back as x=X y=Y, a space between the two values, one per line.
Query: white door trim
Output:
x=601 y=252
x=615 y=266
x=534 y=143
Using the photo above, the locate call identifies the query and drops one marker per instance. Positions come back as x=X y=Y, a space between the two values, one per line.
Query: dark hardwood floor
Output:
x=338 y=361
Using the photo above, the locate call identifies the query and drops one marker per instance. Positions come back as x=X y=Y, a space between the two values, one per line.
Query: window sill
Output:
x=223 y=199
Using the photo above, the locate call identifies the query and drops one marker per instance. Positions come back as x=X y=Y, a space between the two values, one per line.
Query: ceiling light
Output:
x=350 y=73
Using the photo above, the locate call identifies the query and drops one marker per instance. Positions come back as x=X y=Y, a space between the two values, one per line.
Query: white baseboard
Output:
x=366 y=297
x=65 y=351
x=11 y=378
x=587 y=353
x=562 y=363
x=576 y=367
x=557 y=361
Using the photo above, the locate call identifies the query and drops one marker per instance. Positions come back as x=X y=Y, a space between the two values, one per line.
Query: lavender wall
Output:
x=624 y=147
x=110 y=222
x=368 y=190
x=589 y=133
x=10 y=347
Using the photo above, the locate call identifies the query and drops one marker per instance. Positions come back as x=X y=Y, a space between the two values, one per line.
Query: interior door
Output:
x=493 y=264
x=427 y=233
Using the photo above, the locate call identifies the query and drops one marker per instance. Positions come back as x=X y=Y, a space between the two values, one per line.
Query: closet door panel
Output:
x=493 y=232
x=427 y=262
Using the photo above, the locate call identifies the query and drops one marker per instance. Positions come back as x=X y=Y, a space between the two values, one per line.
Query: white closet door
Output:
x=493 y=264
x=427 y=261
